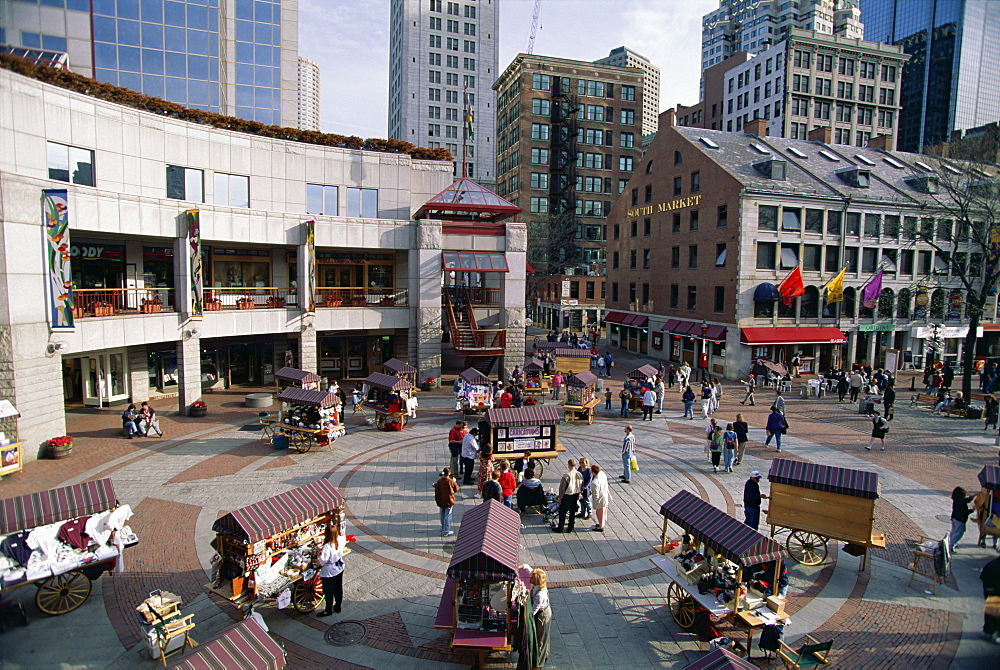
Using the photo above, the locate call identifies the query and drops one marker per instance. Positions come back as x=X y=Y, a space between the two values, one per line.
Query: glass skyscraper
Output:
x=952 y=80
x=236 y=57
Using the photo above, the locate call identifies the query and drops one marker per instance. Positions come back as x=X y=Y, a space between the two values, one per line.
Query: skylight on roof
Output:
x=830 y=157
x=759 y=148
x=708 y=143
x=796 y=152
x=893 y=162
x=924 y=166
x=864 y=159
x=951 y=168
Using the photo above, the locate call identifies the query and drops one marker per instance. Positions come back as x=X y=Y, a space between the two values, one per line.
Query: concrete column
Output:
x=308 y=351
x=513 y=314
x=425 y=300
x=189 y=372
x=138 y=373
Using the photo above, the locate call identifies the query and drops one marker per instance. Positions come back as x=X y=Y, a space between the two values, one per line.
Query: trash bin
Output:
x=974 y=413
x=279 y=441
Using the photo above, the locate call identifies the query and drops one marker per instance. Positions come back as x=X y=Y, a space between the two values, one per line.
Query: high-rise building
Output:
x=568 y=137
x=952 y=81
x=226 y=56
x=443 y=58
x=625 y=57
x=309 y=94
x=753 y=26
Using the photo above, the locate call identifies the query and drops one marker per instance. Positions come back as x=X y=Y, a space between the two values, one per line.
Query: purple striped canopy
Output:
x=296 y=376
x=243 y=646
x=273 y=515
x=989 y=477
x=387 y=382
x=474 y=377
x=582 y=378
x=845 y=481
x=487 y=544
x=533 y=415
x=545 y=344
x=398 y=367
x=61 y=504
x=719 y=531
x=643 y=372
x=311 y=398
x=721 y=659
x=573 y=353
x=533 y=365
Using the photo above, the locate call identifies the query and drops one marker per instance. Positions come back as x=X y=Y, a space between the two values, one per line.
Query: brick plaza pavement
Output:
x=609 y=602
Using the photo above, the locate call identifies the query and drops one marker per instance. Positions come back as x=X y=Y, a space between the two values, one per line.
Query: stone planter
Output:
x=57 y=453
x=104 y=311
x=198 y=411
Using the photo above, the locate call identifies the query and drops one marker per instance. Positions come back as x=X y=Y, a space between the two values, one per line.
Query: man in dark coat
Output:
x=751 y=500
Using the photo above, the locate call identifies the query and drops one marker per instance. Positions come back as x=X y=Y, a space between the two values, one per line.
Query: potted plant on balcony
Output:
x=212 y=304
x=151 y=305
x=198 y=408
x=358 y=301
x=333 y=301
x=102 y=308
x=274 y=301
x=245 y=302
x=59 y=447
x=388 y=301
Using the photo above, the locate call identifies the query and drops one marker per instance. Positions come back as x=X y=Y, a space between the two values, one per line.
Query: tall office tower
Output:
x=952 y=80
x=625 y=57
x=309 y=94
x=753 y=26
x=229 y=56
x=443 y=58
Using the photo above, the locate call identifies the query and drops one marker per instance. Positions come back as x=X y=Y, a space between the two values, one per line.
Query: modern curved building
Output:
x=144 y=256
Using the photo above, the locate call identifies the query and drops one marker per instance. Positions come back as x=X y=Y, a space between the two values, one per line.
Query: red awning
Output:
x=243 y=646
x=273 y=515
x=61 y=504
x=474 y=261
x=687 y=328
x=716 y=333
x=615 y=317
x=792 y=335
x=636 y=320
x=487 y=544
x=670 y=325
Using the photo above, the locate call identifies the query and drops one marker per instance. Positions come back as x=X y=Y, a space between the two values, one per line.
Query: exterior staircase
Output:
x=481 y=347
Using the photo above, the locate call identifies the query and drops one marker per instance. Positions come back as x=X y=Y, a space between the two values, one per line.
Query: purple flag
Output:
x=871 y=292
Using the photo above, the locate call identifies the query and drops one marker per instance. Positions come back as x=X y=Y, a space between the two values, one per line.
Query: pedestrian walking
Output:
x=485 y=466
x=470 y=450
x=542 y=612
x=600 y=366
x=715 y=447
x=776 y=427
x=751 y=500
x=779 y=401
x=685 y=374
x=648 y=403
x=628 y=453
x=843 y=386
x=491 y=487
x=600 y=495
x=880 y=427
x=706 y=399
x=671 y=376
x=889 y=401
x=624 y=396
x=444 y=496
x=717 y=386
x=660 y=389
x=751 y=386
x=609 y=363
x=508 y=483
x=557 y=382
x=855 y=383
x=608 y=395
x=586 y=503
x=331 y=571
x=730 y=441
x=742 y=437
x=687 y=397
x=455 y=437
x=960 y=512
x=569 y=496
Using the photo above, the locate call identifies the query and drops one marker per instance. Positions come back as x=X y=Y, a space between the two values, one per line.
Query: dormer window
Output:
x=985 y=188
x=855 y=176
x=772 y=168
x=925 y=183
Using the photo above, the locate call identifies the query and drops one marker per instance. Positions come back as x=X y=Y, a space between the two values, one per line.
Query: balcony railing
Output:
x=466 y=340
x=361 y=296
x=243 y=297
x=478 y=297
x=88 y=302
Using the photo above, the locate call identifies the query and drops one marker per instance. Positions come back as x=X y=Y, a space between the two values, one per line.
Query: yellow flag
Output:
x=835 y=289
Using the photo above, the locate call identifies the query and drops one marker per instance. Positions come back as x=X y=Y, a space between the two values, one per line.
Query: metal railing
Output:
x=92 y=302
x=478 y=297
x=219 y=298
x=361 y=296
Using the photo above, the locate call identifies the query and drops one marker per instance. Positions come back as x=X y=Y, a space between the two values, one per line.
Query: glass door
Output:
x=105 y=379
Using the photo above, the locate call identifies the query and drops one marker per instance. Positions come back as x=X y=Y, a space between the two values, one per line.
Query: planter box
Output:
x=275 y=303
x=57 y=453
x=151 y=309
x=333 y=302
x=358 y=302
x=213 y=305
x=245 y=304
x=199 y=411
x=104 y=311
x=78 y=312
x=387 y=302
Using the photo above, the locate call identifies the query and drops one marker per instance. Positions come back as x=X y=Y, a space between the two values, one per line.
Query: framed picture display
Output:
x=501 y=433
x=546 y=431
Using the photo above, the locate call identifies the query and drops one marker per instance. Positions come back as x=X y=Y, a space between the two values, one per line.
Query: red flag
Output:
x=792 y=287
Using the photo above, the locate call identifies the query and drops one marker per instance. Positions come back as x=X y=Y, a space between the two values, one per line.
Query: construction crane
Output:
x=534 y=26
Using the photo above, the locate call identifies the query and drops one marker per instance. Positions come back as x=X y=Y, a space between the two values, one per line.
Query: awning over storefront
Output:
x=734 y=540
x=61 y=504
x=487 y=544
x=533 y=415
x=474 y=377
x=766 y=292
x=533 y=365
x=296 y=376
x=387 y=382
x=669 y=326
x=615 y=317
x=474 y=261
x=310 y=398
x=583 y=378
x=792 y=335
x=989 y=477
x=715 y=332
x=271 y=516
x=846 y=481
x=636 y=320
x=398 y=367
x=243 y=646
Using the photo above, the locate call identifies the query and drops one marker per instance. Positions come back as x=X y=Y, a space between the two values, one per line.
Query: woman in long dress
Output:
x=542 y=612
x=485 y=466
x=600 y=497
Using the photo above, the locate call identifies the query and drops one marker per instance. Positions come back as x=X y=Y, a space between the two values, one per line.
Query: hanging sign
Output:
x=55 y=211
x=197 y=284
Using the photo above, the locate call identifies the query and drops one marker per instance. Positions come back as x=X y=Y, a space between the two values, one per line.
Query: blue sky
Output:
x=350 y=41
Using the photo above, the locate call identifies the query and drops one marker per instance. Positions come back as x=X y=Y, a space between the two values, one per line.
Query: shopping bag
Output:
x=284 y=599
x=634 y=465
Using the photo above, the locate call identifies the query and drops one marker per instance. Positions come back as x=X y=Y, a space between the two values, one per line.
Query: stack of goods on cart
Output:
x=720 y=582
x=311 y=410
x=482 y=606
x=580 y=388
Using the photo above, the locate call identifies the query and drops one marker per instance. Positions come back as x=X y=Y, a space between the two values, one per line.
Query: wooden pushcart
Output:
x=580 y=398
x=308 y=419
x=387 y=397
x=535 y=384
x=476 y=395
x=818 y=503
x=398 y=368
x=571 y=361
x=519 y=429
x=295 y=378
x=987 y=504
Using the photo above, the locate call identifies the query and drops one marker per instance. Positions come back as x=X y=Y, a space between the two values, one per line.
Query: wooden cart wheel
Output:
x=806 y=548
x=62 y=593
x=681 y=605
x=539 y=468
x=306 y=597
x=305 y=444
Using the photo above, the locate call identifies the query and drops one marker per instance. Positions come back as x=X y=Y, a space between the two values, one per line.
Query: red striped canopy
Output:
x=533 y=365
x=582 y=378
x=736 y=541
x=845 y=481
x=296 y=376
x=721 y=659
x=989 y=477
x=487 y=544
x=311 y=398
x=387 y=382
x=61 y=504
x=533 y=415
x=398 y=367
x=474 y=377
x=273 y=515
x=243 y=646
x=643 y=372
x=573 y=353
x=545 y=344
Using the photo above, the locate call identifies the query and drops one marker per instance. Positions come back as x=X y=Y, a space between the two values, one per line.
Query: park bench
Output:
x=932 y=400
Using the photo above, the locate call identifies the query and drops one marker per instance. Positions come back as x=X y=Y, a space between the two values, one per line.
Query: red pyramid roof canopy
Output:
x=465 y=200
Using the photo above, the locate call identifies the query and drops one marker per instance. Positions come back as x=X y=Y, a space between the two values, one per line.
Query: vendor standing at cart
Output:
x=331 y=571
x=470 y=450
x=751 y=500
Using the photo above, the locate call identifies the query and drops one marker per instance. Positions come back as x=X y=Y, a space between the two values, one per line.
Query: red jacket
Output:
x=456 y=434
x=506 y=400
x=508 y=483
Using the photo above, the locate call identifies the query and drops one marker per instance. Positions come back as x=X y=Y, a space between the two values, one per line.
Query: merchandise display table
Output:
x=581 y=412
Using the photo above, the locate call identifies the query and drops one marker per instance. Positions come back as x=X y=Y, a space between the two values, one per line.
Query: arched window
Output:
x=850 y=301
x=678 y=159
x=955 y=302
x=903 y=304
x=763 y=309
x=939 y=299
x=788 y=311
x=886 y=303
x=864 y=312
x=809 y=303
x=830 y=310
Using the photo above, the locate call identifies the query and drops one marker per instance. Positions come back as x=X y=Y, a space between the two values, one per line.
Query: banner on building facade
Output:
x=55 y=214
x=872 y=291
x=309 y=290
x=197 y=284
x=835 y=289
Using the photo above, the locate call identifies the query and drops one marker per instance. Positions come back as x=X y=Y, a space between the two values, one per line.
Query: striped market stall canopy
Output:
x=643 y=372
x=535 y=415
x=857 y=483
x=989 y=477
x=387 y=382
x=398 y=367
x=311 y=398
x=243 y=646
x=487 y=544
x=61 y=504
x=296 y=376
x=545 y=344
x=721 y=659
x=584 y=378
x=719 y=531
x=573 y=353
x=474 y=377
x=271 y=516
x=533 y=365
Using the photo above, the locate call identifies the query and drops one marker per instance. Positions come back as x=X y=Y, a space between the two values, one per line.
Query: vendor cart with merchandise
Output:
x=819 y=503
x=295 y=378
x=987 y=504
x=388 y=397
x=308 y=419
x=637 y=382
x=535 y=384
x=398 y=368
x=61 y=540
x=717 y=568
x=265 y=552
x=479 y=590
x=517 y=430
x=476 y=394
x=571 y=361
x=581 y=397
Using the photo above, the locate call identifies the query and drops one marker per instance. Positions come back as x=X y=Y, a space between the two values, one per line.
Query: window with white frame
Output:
x=232 y=190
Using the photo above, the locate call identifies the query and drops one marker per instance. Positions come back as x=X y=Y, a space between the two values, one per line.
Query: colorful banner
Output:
x=871 y=292
x=197 y=285
x=55 y=211
x=309 y=289
x=835 y=289
x=469 y=118
x=792 y=286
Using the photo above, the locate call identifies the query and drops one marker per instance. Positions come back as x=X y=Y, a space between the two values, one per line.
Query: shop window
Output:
x=232 y=190
x=241 y=268
x=185 y=183
x=72 y=165
x=322 y=199
x=766 y=253
x=362 y=202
